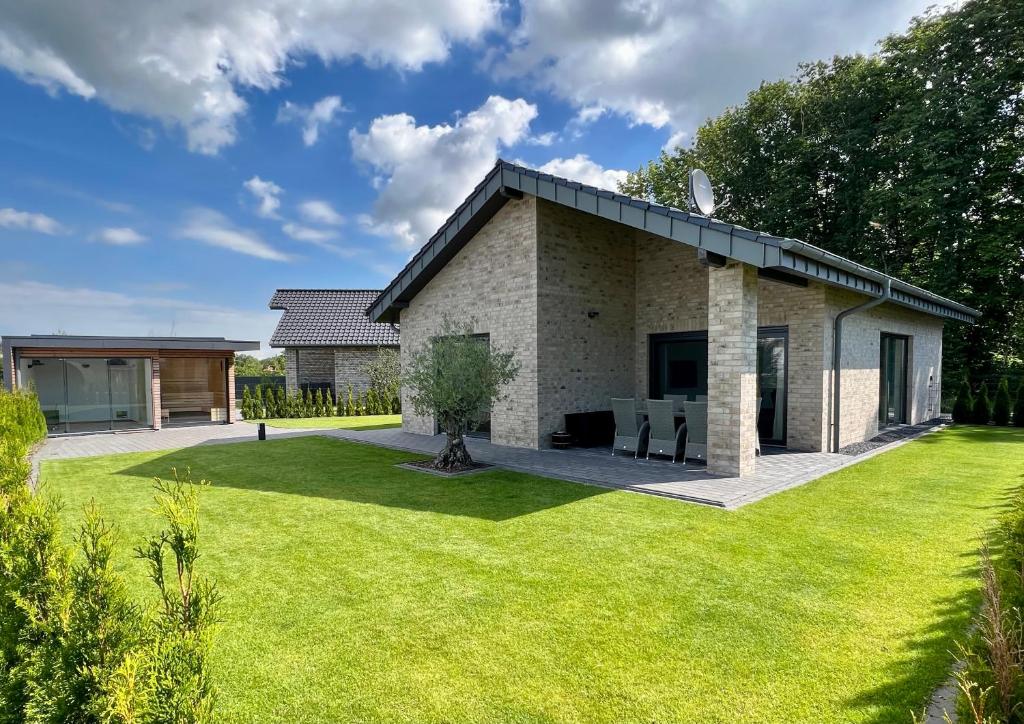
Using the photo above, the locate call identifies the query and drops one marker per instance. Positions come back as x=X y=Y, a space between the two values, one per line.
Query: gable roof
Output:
x=329 y=318
x=765 y=251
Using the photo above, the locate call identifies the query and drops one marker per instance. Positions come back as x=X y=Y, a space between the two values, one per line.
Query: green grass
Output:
x=356 y=591
x=364 y=422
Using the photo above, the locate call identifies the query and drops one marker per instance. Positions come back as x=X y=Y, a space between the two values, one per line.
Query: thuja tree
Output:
x=456 y=377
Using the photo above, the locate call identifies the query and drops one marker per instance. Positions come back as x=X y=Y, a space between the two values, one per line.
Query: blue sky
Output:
x=165 y=166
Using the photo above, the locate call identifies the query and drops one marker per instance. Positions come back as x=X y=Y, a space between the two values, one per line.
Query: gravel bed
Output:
x=894 y=434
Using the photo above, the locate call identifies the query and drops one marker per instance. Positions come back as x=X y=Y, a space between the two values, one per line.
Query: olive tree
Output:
x=456 y=377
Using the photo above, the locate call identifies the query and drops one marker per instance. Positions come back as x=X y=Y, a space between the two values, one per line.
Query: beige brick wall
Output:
x=672 y=296
x=494 y=279
x=860 y=377
x=585 y=314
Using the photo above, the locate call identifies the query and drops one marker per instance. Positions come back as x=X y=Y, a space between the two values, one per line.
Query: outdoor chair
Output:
x=696 y=446
x=629 y=435
x=677 y=401
x=664 y=438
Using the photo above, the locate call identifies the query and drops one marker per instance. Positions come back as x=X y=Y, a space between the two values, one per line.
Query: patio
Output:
x=775 y=471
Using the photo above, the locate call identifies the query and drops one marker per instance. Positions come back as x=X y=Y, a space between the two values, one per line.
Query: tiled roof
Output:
x=329 y=318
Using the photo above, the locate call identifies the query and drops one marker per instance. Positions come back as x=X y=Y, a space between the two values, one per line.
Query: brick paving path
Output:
x=774 y=472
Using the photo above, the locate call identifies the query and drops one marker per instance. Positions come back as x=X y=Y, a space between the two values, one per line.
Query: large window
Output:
x=87 y=394
x=193 y=389
x=679 y=366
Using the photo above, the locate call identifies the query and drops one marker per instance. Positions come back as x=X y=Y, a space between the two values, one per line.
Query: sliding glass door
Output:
x=892 y=394
x=89 y=394
x=771 y=385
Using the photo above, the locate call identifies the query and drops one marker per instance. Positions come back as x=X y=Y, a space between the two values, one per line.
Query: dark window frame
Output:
x=882 y=396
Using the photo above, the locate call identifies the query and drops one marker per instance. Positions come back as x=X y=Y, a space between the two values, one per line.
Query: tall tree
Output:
x=910 y=160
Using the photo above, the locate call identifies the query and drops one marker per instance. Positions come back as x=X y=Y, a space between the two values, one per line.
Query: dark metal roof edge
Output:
x=44 y=341
x=735 y=242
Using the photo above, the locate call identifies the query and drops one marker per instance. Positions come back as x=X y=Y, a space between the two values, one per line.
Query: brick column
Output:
x=732 y=369
x=157 y=405
x=231 y=388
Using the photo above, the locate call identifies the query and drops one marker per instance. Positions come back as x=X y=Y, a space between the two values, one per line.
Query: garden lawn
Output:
x=363 y=422
x=357 y=591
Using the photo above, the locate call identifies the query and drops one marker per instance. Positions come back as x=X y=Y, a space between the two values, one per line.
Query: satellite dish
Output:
x=701 y=194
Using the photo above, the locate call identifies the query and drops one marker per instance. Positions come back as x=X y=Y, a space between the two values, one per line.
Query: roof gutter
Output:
x=837 y=354
x=813 y=252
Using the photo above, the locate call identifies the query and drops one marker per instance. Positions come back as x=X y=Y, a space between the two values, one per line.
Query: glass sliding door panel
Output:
x=482 y=428
x=771 y=388
x=892 y=396
x=88 y=394
x=130 y=392
x=193 y=389
x=46 y=377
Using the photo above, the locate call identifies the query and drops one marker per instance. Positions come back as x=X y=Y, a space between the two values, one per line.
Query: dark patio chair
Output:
x=629 y=435
x=664 y=439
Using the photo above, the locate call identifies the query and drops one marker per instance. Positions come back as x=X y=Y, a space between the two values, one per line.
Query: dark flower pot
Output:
x=560 y=440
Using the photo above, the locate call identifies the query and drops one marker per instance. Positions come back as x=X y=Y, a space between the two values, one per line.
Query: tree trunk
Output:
x=454 y=456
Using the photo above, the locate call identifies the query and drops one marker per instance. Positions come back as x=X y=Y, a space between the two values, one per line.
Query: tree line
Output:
x=909 y=160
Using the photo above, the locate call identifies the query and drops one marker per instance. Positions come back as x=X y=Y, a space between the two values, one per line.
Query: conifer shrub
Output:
x=350 y=405
x=1001 y=405
x=371 y=402
x=329 y=408
x=74 y=645
x=247 y=404
x=318 y=404
x=963 y=407
x=982 y=411
x=257 y=403
x=282 y=402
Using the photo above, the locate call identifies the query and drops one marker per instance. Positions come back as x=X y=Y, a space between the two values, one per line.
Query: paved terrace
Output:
x=775 y=472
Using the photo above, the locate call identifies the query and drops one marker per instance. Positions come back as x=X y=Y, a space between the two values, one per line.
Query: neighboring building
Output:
x=90 y=384
x=606 y=296
x=328 y=340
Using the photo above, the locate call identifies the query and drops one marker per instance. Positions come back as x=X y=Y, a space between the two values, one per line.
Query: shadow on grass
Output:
x=928 y=661
x=335 y=469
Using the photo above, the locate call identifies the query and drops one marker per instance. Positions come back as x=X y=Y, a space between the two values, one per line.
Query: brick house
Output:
x=606 y=296
x=94 y=384
x=327 y=338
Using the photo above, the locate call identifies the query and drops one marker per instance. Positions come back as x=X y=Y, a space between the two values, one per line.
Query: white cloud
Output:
x=119 y=236
x=189 y=62
x=581 y=168
x=424 y=172
x=321 y=238
x=39 y=307
x=267 y=193
x=543 y=139
x=213 y=228
x=317 y=211
x=321 y=113
x=673 y=63
x=14 y=219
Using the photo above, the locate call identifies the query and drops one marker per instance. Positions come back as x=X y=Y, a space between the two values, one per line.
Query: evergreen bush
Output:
x=350 y=406
x=257 y=403
x=1001 y=405
x=982 y=412
x=963 y=408
x=329 y=408
x=307 y=403
x=371 y=402
x=318 y=404
x=1018 y=407
x=74 y=646
x=282 y=402
x=247 y=403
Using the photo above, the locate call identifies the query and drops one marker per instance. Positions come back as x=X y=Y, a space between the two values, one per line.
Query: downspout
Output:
x=837 y=352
